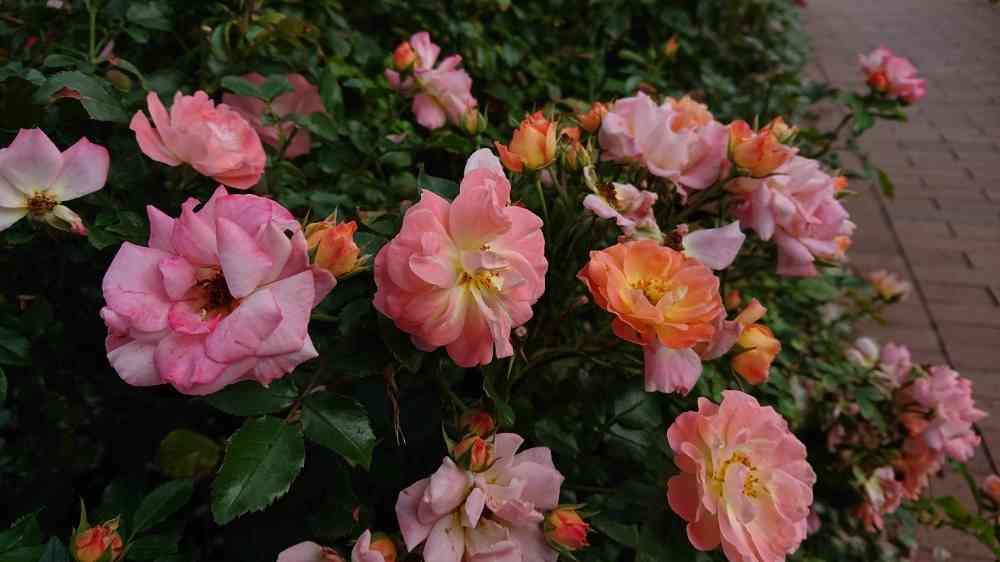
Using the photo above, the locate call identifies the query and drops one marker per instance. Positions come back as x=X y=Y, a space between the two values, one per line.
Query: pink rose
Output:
x=309 y=552
x=304 y=100
x=630 y=207
x=883 y=495
x=462 y=274
x=221 y=295
x=744 y=482
x=35 y=179
x=477 y=517
x=677 y=140
x=797 y=207
x=949 y=398
x=894 y=76
x=215 y=140
x=442 y=93
x=373 y=548
x=895 y=363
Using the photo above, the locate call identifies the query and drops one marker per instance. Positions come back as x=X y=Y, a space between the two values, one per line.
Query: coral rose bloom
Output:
x=442 y=93
x=661 y=300
x=303 y=100
x=533 y=145
x=744 y=480
x=462 y=274
x=949 y=397
x=895 y=76
x=221 y=295
x=215 y=140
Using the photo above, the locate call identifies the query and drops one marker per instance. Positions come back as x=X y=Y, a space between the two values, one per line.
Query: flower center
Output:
x=751 y=486
x=215 y=296
x=41 y=203
x=483 y=280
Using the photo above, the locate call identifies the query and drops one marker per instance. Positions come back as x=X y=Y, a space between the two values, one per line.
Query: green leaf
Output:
x=275 y=86
x=340 y=424
x=443 y=187
x=241 y=87
x=24 y=554
x=627 y=535
x=250 y=398
x=320 y=124
x=329 y=90
x=263 y=459
x=60 y=61
x=888 y=188
x=54 y=552
x=92 y=92
x=505 y=413
x=161 y=503
x=14 y=347
x=23 y=532
x=187 y=454
x=151 y=15
x=152 y=547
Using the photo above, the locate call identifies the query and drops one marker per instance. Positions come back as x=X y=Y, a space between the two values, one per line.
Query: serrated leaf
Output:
x=250 y=398
x=92 y=93
x=263 y=459
x=340 y=424
x=54 y=552
x=152 y=547
x=161 y=503
x=274 y=87
x=188 y=454
x=241 y=87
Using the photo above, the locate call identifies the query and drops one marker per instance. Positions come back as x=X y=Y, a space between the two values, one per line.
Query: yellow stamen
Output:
x=41 y=203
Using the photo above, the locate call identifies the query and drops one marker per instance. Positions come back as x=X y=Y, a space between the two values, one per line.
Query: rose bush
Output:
x=550 y=296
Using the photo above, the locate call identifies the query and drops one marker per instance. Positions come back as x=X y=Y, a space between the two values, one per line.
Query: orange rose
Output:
x=591 y=120
x=90 y=545
x=404 y=56
x=656 y=294
x=334 y=244
x=760 y=153
x=533 y=145
x=762 y=347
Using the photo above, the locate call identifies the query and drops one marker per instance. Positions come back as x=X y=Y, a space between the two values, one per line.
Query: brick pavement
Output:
x=942 y=231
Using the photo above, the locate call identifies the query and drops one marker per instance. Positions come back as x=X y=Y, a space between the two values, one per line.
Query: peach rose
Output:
x=761 y=347
x=334 y=245
x=894 y=76
x=591 y=119
x=759 y=153
x=214 y=139
x=663 y=301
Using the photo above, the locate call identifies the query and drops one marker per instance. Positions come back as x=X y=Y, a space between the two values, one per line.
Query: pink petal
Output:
x=483 y=159
x=541 y=483
x=429 y=113
x=446 y=491
x=362 y=551
x=150 y=141
x=133 y=287
x=84 y=170
x=472 y=510
x=295 y=296
x=243 y=332
x=274 y=367
x=10 y=216
x=194 y=236
x=414 y=532
x=446 y=542
x=244 y=264
x=178 y=276
x=476 y=218
x=181 y=361
x=715 y=247
x=302 y=552
x=161 y=229
x=134 y=363
x=30 y=162
x=671 y=370
x=531 y=542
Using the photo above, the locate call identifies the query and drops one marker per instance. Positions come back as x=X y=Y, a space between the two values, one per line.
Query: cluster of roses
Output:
x=223 y=293
x=936 y=413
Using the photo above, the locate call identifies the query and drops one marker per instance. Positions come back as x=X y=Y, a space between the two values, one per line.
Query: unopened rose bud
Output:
x=385 y=546
x=839 y=183
x=670 y=49
x=334 y=245
x=90 y=545
x=566 y=530
x=878 y=81
x=474 y=453
x=473 y=121
x=991 y=485
x=733 y=299
x=533 y=145
x=62 y=217
x=591 y=120
x=575 y=155
x=754 y=364
x=477 y=422
x=404 y=56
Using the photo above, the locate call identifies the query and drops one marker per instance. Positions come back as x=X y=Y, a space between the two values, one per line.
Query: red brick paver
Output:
x=942 y=231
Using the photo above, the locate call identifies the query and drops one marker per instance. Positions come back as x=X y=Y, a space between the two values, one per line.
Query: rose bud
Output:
x=889 y=286
x=760 y=153
x=575 y=155
x=733 y=299
x=404 y=56
x=670 y=49
x=473 y=453
x=991 y=485
x=90 y=545
x=762 y=347
x=591 y=120
x=566 y=530
x=334 y=245
x=533 y=145
x=473 y=121
x=477 y=422
x=384 y=545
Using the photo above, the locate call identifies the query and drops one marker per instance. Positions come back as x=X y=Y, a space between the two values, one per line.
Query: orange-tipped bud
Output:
x=533 y=145
x=566 y=530
x=473 y=122
x=334 y=244
x=91 y=544
x=385 y=546
x=477 y=422
x=670 y=49
x=840 y=183
x=404 y=56
x=762 y=347
x=878 y=81
x=592 y=118
x=758 y=153
x=474 y=453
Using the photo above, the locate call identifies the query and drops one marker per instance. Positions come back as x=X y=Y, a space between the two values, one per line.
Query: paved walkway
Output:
x=942 y=231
